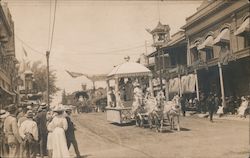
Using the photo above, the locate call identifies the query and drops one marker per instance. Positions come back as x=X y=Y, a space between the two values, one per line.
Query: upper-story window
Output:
x=223 y=38
x=244 y=31
x=207 y=46
x=194 y=51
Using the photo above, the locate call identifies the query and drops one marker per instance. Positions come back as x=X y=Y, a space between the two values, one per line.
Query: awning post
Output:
x=221 y=84
x=197 y=85
x=167 y=90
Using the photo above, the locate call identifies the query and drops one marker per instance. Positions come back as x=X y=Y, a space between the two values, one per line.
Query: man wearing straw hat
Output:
x=41 y=121
x=11 y=131
x=29 y=133
x=3 y=143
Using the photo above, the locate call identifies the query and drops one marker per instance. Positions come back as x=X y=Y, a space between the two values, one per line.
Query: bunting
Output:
x=74 y=74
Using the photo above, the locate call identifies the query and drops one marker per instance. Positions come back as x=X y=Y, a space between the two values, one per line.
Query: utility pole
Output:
x=160 y=66
x=47 y=57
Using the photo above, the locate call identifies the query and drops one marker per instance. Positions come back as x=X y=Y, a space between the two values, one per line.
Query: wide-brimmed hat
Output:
x=29 y=107
x=3 y=113
x=68 y=109
x=11 y=108
x=43 y=105
x=136 y=84
x=29 y=114
x=58 y=109
x=243 y=98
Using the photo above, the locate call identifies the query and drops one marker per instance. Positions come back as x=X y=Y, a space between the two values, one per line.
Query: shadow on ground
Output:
x=124 y=124
x=84 y=156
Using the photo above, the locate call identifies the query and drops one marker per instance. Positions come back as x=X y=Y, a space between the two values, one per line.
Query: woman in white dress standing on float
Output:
x=58 y=125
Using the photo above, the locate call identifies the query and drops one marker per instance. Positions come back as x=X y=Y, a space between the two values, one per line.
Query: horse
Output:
x=160 y=111
x=172 y=111
x=141 y=108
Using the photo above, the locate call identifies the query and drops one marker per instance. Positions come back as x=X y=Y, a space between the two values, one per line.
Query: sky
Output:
x=91 y=36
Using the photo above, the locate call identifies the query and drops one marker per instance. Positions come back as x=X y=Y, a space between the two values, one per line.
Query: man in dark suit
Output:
x=70 y=133
x=211 y=106
x=42 y=129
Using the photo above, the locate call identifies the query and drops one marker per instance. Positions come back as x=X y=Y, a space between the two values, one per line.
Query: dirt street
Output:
x=198 y=138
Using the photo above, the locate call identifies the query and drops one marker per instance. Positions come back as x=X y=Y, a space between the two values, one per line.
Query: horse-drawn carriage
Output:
x=120 y=90
x=158 y=113
x=131 y=98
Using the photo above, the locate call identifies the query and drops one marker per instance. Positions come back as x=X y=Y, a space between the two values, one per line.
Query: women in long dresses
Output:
x=49 y=116
x=58 y=125
x=243 y=107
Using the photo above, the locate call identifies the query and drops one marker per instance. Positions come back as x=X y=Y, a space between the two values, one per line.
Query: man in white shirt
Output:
x=29 y=132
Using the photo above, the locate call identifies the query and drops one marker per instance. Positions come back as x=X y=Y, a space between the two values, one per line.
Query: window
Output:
x=243 y=31
x=209 y=54
x=247 y=40
x=195 y=54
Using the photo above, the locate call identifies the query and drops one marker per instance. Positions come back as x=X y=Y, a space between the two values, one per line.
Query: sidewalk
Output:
x=224 y=117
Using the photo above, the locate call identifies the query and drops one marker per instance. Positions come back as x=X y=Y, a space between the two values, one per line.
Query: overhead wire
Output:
x=58 y=59
x=113 y=52
x=30 y=47
x=50 y=9
x=53 y=27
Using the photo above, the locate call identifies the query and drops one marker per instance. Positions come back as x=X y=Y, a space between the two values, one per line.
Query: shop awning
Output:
x=207 y=44
x=223 y=37
x=244 y=27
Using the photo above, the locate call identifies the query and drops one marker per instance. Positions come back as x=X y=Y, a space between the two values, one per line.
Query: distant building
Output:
x=8 y=61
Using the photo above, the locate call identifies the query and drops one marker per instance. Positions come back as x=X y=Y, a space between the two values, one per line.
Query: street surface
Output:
x=198 y=138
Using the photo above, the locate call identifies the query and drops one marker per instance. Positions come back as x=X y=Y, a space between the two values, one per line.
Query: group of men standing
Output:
x=24 y=134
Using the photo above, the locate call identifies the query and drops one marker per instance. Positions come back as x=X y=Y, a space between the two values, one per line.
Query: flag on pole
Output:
x=25 y=52
x=74 y=74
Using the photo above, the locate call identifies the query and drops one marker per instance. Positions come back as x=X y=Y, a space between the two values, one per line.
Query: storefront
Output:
x=6 y=97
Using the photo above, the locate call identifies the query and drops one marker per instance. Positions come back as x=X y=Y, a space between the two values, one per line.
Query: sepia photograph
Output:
x=124 y=79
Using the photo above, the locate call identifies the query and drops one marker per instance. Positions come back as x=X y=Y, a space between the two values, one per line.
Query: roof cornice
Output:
x=205 y=12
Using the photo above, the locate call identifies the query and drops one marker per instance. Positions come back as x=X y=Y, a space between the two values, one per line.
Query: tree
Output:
x=40 y=77
x=64 y=97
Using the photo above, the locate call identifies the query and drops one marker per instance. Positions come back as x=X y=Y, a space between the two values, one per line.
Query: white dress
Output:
x=242 y=108
x=59 y=145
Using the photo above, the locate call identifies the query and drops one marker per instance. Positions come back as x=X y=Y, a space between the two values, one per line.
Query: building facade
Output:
x=8 y=61
x=211 y=53
x=219 y=48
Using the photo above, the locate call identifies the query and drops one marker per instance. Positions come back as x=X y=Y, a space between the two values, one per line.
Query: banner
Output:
x=174 y=85
x=188 y=83
x=74 y=74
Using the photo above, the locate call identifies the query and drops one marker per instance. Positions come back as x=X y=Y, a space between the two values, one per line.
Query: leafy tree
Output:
x=40 y=77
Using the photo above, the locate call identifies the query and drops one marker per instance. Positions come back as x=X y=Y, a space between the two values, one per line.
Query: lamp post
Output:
x=47 y=57
x=161 y=36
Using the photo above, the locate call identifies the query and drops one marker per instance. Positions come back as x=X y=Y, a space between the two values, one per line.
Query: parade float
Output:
x=120 y=94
